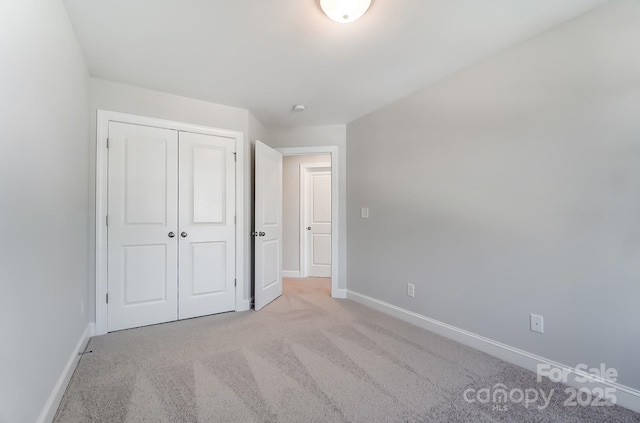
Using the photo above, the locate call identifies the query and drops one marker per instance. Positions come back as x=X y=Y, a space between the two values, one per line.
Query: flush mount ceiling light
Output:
x=344 y=11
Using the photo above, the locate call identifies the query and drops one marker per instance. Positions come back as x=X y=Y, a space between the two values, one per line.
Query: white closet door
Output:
x=142 y=226
x=207 y=225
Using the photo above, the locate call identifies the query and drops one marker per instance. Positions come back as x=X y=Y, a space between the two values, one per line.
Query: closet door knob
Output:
x=183 y=234
x=171 y=234
x=262 y=234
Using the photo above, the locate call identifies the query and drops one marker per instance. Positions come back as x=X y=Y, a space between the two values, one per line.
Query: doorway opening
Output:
x=306 y=217
x=310 y=219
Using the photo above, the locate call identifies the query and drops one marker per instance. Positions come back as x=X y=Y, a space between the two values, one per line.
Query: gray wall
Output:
x=291 y=207
x=322 y=136
x=112 y=96
x=44 y=201
x=513 y=187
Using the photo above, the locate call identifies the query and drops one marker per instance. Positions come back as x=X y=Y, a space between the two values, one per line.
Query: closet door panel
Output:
x=207 y=225
x=142 y=212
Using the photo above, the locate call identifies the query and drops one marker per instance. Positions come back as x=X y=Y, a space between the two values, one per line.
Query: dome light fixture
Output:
x=344 y=11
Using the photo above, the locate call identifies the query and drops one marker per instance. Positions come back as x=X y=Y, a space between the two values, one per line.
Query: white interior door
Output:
x=317 y=222
x=142 y=226
x=206 y=225
x=268 y=225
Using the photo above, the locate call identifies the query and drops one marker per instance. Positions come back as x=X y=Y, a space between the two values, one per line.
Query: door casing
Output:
x=102 y=168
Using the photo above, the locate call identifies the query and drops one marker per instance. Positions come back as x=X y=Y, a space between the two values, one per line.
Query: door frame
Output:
x=305 y=170
x=102 y=169
x=335 y=210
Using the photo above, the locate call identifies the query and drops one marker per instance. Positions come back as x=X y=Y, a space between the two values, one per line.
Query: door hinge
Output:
x=235 y=157
x=106 y=220
x=107 y=142
x=235 y=220
x=235 y=282
x=107 y=298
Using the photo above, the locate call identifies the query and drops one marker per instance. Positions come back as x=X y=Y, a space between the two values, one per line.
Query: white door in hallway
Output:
x=206 y=225
x=268 y=225
x=142 y=226
x=317 y=222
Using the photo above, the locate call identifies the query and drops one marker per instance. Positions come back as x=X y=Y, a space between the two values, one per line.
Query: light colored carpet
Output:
x=304 y=358
x=318 y=286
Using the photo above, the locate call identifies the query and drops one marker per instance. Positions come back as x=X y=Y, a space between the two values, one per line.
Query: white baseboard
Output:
x=244 y=305
x=339 y=293
x=626 y=397
x=290 y=273
x=51 y=406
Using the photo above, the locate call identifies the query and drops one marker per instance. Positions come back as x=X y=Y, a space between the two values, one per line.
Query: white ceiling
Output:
x=267 y=55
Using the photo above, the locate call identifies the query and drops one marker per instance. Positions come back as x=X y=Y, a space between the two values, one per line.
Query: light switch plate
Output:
x=364 y=212
x=411 y=290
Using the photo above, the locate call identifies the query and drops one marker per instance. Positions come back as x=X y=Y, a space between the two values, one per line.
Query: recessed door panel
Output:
x=142 y=262
x=209 y=185
x=145 y=185
x=145 y=274
x=271 y=175
x=209 y=268
x=321 y=191
x=207 y=227
x=271 y=256
x=321 y=250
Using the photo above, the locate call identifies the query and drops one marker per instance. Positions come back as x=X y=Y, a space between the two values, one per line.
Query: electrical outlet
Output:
x=411 y=290
x=537 y=323
x=364 y=212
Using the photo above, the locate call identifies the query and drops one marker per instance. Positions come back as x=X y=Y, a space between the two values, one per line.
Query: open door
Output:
x=268 y=225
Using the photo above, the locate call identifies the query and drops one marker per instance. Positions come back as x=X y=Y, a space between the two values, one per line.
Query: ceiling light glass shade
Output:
x=344 y=11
